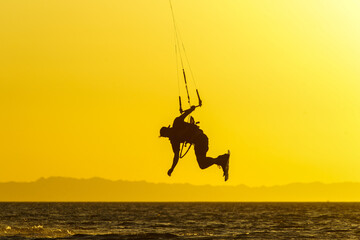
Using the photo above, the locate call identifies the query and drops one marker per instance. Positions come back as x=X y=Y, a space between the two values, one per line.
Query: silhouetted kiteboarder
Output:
x=182 y=132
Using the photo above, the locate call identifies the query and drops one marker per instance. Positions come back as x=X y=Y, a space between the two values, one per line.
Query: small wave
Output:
x=140 y=236
x=215 y=225
x=36 y=231
x=144 y=236
x=162 y=225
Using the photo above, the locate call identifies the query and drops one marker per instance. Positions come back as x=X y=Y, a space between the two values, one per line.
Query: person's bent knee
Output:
x=202 y=165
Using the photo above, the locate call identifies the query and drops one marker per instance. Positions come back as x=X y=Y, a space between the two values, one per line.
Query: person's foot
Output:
x=225 y=165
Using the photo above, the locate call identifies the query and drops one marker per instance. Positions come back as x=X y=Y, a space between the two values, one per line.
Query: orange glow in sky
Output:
x=85 y=87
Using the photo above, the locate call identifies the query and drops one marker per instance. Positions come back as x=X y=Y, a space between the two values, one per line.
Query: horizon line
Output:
x=196 y=185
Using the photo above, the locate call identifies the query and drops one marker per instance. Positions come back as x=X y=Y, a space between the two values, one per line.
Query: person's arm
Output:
x=176 y=150
x=186 y=113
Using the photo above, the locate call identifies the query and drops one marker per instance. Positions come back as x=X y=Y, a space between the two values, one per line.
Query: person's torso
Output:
x=185 y=132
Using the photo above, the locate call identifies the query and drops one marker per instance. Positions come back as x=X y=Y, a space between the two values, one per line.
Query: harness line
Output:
x=178 y=44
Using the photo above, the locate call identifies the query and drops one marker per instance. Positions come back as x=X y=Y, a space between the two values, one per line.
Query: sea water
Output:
x=179 y=220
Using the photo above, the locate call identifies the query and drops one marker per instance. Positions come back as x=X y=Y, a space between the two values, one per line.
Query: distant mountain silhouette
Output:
x=97 y=189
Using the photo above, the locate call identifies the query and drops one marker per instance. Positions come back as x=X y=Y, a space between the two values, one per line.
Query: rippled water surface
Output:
x=180 y=220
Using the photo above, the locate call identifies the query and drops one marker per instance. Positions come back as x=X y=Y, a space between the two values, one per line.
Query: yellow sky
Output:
x=86 y=85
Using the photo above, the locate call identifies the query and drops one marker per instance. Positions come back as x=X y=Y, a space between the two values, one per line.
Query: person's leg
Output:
x=201 y=148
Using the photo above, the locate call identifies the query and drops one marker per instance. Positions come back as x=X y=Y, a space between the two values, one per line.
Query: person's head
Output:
x=165 y=131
